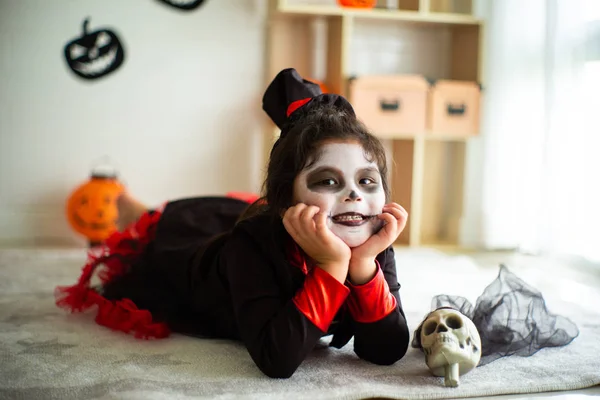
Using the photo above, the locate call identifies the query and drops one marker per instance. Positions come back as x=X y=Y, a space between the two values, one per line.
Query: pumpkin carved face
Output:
x=358 y=3
x=92 y=208
x=183 y=4
x=94 y=54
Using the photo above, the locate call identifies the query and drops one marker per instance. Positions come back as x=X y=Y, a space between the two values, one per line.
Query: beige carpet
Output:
x=48 y=354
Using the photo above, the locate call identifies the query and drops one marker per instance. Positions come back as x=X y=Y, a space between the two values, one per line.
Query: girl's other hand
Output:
x=308 y=227
x=394 y=217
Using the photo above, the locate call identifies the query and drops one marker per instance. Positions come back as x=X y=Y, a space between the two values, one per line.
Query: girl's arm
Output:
x=278 y=327
x=381 y=332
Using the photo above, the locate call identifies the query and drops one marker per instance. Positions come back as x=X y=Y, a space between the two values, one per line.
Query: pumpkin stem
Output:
x=85 y=26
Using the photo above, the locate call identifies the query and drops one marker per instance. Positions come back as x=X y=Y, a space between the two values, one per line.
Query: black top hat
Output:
x=289 y=93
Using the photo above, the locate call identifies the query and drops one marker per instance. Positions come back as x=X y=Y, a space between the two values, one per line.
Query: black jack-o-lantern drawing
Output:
x=186 y=5
x=94 y=54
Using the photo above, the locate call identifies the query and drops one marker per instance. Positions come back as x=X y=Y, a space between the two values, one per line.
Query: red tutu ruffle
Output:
x=114 y=258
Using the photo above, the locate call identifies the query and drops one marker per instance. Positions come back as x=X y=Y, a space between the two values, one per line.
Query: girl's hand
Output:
x=309 y=230
x=362 y=263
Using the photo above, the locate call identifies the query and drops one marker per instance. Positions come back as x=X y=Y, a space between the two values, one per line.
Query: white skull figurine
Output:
x=451 y=344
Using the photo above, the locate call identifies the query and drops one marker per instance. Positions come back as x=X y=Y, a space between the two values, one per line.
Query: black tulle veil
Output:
x=511 y=317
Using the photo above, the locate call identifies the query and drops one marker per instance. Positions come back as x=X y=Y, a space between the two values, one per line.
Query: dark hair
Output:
x=300 y=146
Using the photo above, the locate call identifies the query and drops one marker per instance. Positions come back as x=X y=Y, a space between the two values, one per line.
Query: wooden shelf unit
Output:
x=378 y=13
x=426 y=168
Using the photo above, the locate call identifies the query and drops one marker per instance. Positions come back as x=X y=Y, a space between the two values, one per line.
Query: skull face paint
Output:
x=346 y=186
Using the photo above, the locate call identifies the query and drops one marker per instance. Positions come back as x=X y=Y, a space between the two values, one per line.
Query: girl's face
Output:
x=345 y=186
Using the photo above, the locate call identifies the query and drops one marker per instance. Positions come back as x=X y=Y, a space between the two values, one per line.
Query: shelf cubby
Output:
x=440 y=39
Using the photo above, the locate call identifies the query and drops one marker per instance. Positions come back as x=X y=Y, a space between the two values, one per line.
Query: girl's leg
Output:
x=129 y=210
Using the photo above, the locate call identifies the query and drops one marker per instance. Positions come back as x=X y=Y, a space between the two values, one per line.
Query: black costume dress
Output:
x=190 y=268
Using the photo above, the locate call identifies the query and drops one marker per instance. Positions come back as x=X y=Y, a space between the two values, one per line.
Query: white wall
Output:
x=181 y=117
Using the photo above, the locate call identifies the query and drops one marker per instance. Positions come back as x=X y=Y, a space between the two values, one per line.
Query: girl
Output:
x=312 y=258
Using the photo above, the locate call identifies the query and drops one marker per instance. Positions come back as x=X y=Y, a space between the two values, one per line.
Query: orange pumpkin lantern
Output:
x=358 y=3
x=92 y=207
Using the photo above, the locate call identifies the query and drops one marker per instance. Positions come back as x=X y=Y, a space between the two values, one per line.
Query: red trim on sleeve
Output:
x=372 y=301
x=320 y=298
x=296 y=105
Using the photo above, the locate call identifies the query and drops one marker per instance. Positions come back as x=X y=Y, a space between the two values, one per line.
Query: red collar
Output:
x=297 y=257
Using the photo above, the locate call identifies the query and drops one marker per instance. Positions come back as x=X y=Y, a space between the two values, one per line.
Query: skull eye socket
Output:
x=454 y=322
x=429 y=328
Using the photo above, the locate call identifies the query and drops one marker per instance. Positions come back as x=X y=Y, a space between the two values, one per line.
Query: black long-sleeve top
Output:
x=245 y=284
x=254 y=268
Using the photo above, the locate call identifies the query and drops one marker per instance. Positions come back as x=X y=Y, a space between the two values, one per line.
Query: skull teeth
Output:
x=343 y=218
x=446 y=338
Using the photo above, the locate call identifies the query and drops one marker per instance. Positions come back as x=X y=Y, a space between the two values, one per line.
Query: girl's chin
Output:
x=357 y=235
x=354 y=243
x=353 y=239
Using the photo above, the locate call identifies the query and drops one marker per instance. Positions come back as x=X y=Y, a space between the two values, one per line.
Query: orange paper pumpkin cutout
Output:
x=358 y=3
x=92 y=207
